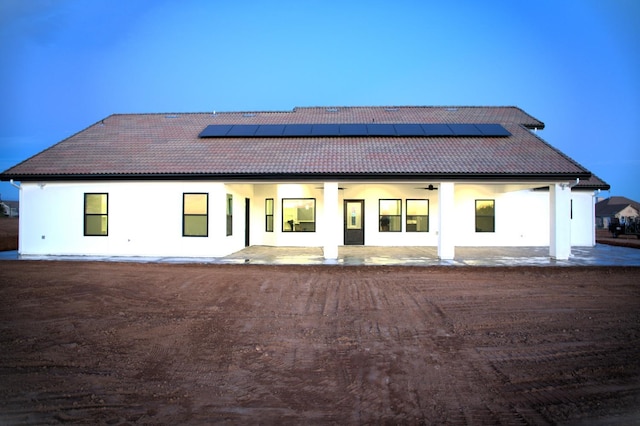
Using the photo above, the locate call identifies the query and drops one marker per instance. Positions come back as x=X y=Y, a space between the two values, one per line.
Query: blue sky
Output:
x=574 y=64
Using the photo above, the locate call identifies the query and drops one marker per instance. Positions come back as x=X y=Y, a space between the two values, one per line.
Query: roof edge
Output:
x=298 y=176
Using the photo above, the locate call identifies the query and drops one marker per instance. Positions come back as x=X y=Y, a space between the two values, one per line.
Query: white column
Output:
x=331 y=220
x=446 y=232
x=560 y=221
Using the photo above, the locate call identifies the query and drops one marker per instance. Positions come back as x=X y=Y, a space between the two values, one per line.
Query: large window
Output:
x=485 y=216
x=195 y=211
x=417 y=216
x=390 y=215
x=268 y=214
x=298 y=215
x=229 y=214
x=96 y=214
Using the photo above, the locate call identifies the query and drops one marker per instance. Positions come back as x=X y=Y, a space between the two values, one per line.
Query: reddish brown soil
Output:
x=115 y=343
x=8 y=233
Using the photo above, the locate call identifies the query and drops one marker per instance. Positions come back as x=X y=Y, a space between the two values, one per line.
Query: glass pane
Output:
x=269 y=224
x=298 y=215
x=95 y=203
x=417 y=223
x=485 y=215
x=423 y=223
x=195 y=226
x=484 y=207
x=268 y=206
x=390 y=207
x=395 y=223
x=229 y=204
x=96 y=225
x=484 y=224
x=354 y=215
x=195 y=203
x=417 y=207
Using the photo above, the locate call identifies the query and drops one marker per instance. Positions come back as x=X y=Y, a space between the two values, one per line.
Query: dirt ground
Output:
x=125 y=343
x=8 y=233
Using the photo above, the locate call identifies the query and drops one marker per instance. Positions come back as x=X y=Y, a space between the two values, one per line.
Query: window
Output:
x=229 y=214
x=485 y=216
x=390 y=215
x=417 y=216
x=268 y=215
x=96 y=215
x=298 y=215
x=195 y=210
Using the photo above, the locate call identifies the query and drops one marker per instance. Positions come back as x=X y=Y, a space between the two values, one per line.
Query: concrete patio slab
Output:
x=600 y=255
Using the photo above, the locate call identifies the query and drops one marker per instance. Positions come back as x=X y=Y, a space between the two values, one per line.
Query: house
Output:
x=621 y=208
x=209 y=184
x=9 y=208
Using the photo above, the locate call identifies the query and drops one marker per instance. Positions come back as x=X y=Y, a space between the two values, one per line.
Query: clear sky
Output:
x=573 y=64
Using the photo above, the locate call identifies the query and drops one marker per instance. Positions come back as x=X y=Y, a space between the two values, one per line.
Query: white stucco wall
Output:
x=145 y=218
x=583 y=219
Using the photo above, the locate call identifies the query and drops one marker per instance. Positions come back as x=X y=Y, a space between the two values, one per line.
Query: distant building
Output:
x=622 y=208
x=9 y=208
x=207 y=184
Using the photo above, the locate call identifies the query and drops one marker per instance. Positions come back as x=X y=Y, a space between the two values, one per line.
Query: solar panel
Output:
x=270 y=130
x=465 y=130
x=408 y=130
x=215 y=131
x=436 y=130
x=325 y=130
x=242 y=130
x=381 y=130
x=297 y=130
x=353 y=130
x=490 y=129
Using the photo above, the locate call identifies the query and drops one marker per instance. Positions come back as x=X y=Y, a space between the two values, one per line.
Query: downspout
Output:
x=14 y=184
x=594 y=200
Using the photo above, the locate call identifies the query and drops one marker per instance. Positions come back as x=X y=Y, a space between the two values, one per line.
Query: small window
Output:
x=96 y=215
x=229 y=214
x=268 y=214
x=298 y=215
x=417 y=216
x=390 y=215
x=195 y=213
x=485 y=216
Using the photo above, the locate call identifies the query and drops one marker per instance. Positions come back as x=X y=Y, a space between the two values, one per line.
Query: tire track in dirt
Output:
x=119 y=343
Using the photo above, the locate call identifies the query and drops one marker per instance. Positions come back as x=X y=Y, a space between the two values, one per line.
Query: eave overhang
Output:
x=289 y=177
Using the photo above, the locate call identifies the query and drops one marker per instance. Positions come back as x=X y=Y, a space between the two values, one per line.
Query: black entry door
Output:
x=247 y=221
x=353 y=222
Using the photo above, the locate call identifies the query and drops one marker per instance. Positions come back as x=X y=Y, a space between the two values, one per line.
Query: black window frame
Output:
x=102 y=214
x=185 y=215
x=291 y=223
x=229 y=214
x=410 y=217
x=268 y=214
x=385 y=220
x=483 y=216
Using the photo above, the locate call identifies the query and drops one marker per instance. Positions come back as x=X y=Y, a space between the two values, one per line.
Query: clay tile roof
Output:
x=128 y=146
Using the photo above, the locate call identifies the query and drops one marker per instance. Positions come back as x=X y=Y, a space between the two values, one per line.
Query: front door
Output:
x=353 y=222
